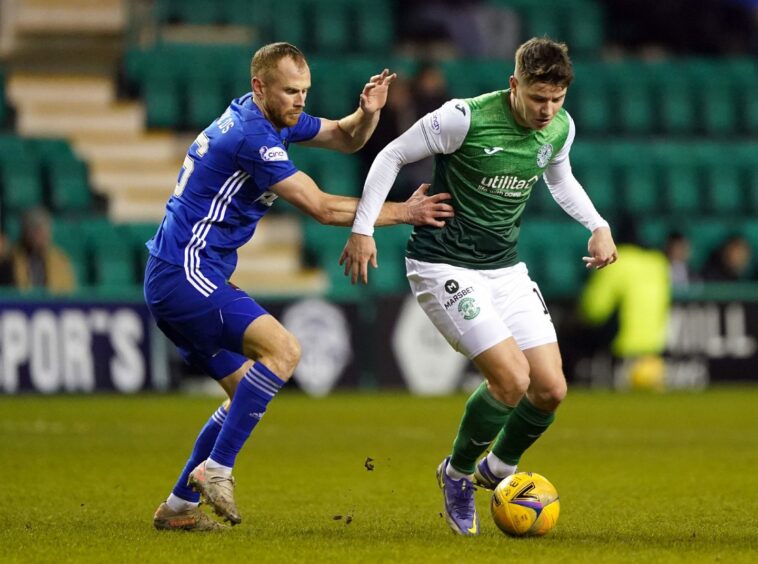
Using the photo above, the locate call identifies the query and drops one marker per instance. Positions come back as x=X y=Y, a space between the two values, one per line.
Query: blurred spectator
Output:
x=730 y=261
x=6 y=264
x=435 y=21
x=636 y=292
x=678 y=251
x=407 y=101
x=37 y=262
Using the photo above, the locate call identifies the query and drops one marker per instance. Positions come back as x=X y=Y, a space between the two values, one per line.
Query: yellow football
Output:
x=525 y=505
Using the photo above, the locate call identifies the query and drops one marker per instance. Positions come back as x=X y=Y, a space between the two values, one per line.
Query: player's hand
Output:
x=601 y=248
x=358 y=252
x=374 y=94
x=427 y=210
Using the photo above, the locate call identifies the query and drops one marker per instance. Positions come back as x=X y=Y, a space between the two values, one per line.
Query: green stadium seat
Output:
x=331 y=27
x=69 y=187
x=21 y=184
x=206 y=101
x=583 y=24
x=589 y=99
x=3 y=110
x=676 y=101
x=161 y=94
x=723 y=182
x=139 y=234
x=679 y=176
x=654 y=231
x=635 y=99
x=289 y=22
x=375 y=27
x=67 y=234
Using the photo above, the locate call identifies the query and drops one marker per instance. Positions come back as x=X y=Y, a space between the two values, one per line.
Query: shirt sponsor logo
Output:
x=455 y=298
x=506 y=185
x=544 y=154
x=273 y=154
x=436 y=127
x=493 y=150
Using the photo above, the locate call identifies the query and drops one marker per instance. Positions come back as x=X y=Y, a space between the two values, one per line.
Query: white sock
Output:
x=500 y=468
x=178 y=504
x=454 y=474
x=213 y=465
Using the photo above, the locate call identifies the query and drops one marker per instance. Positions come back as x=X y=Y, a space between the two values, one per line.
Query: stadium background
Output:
x=99 y=101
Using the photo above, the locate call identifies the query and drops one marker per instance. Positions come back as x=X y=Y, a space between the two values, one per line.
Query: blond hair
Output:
x=267 y=58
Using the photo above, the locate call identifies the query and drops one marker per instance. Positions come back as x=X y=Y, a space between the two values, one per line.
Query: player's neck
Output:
x=514 y=109
x=262 y=108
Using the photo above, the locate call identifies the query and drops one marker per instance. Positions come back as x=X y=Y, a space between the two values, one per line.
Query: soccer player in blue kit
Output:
x=233 y=172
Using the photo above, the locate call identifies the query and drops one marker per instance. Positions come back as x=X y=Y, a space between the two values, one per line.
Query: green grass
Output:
x=642 y=478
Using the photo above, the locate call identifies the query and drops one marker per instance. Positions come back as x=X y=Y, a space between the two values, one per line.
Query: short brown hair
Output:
x=543 y=60
x=267 y=57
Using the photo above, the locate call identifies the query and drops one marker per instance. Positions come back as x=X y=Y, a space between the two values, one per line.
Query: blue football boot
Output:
x=483 y=476
x=460 y=510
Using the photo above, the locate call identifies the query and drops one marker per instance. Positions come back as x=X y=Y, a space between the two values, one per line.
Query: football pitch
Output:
x=350 y=478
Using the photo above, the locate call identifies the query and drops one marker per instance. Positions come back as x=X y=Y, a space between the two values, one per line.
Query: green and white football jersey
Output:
x=490 y=168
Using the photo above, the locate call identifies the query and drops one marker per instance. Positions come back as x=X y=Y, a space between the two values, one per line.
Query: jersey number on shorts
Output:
x=188 y=167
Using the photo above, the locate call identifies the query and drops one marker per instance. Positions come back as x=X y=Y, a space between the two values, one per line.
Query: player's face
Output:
x=281 y=95
x=535 y=105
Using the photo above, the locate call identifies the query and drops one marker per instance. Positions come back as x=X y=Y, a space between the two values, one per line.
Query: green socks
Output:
x=483 y=418
x=525 y=425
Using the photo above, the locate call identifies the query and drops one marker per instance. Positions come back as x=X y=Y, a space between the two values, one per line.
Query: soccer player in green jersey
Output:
x=489 y=152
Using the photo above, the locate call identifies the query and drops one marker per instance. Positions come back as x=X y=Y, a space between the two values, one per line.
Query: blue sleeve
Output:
x=305 y=129
x=265 y=159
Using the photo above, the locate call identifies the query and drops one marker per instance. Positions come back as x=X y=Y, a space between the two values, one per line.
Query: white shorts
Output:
x=476 y=309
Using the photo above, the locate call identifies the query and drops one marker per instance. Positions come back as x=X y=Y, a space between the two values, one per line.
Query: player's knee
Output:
x=548 y=398
x=510 y=384
x=284 y=359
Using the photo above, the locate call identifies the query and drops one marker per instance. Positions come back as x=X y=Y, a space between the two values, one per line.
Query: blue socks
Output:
x=256 y=389
x=203 y=445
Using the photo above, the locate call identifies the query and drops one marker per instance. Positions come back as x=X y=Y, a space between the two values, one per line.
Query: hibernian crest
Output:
x=469 y=309
x=544 y=154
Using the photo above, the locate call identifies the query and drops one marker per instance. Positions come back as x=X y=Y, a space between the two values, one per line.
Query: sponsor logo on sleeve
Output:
x=436 y=127
x=273 y=154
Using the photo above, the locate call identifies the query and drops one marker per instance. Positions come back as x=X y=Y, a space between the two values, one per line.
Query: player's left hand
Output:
x=358 y=252
x=427 y=210
x=601 y=248
x=374 y=94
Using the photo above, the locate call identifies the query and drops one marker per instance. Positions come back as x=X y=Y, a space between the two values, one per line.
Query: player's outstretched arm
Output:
x=351 y=132
x=301 y=191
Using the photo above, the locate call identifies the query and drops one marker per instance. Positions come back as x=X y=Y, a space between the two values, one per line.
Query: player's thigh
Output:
x=267 y=341
x=459 y=304
x=548 y=383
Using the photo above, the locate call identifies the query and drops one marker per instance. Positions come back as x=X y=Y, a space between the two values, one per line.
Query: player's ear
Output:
x=512 y=82
x=257 y=86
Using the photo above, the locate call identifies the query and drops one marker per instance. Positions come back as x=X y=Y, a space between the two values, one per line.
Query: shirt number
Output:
x=188 y=167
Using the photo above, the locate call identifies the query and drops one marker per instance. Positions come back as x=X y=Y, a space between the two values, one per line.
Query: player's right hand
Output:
x=358 y=252
x=428 y=210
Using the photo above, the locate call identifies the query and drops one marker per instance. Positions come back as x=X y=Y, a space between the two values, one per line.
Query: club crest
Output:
x=544 y=154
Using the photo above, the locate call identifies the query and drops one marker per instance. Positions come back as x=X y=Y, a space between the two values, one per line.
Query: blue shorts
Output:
x=207 y=330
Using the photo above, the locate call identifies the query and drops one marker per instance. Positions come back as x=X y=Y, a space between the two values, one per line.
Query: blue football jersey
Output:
x=223 y=190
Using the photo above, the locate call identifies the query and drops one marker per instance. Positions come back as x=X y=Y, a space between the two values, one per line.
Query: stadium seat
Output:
x=705 y=235
x=67 y=234
x=21 y=184
x=375 y=27
x=331 y=27
x=69 y=187
x=678 y=171
x=588 y=101
x=635 y=99
x=3 y=110
x=676 y=100
x=723 y=184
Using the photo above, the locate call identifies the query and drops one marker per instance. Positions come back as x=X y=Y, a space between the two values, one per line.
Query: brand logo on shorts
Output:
x=544 y=154
x=436 y=126
x=468 y=308
x=451 y=286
